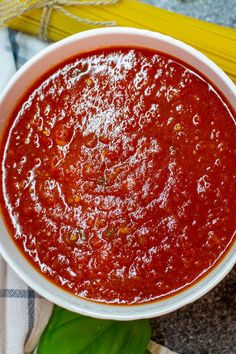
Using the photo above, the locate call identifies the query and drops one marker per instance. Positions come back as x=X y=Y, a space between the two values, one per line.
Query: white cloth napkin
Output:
x=23 y=313
x=155 y=348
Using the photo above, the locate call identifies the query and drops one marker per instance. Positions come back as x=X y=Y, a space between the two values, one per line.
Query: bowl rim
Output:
x=53 y=293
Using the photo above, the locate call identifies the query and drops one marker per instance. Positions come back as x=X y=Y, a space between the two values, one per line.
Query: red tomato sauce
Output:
x=118 y=175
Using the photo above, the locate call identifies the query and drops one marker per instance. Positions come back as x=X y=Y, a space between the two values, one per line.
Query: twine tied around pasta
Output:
x=10 y=9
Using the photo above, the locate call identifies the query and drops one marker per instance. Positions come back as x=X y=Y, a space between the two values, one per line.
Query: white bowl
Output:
x=23 y=79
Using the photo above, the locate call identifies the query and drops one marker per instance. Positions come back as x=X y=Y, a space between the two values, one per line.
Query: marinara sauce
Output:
x=118 y=175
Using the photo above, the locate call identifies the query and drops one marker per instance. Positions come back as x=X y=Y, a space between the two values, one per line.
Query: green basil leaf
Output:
x=121 y=337
x=70 y=333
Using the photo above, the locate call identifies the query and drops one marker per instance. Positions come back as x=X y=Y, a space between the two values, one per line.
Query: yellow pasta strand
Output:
x=217 y=42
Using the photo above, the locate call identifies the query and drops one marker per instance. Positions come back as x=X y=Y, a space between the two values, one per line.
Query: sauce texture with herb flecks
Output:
x=118 y=175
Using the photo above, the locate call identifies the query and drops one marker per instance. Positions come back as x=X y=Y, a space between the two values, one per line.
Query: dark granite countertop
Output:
x=208 y=326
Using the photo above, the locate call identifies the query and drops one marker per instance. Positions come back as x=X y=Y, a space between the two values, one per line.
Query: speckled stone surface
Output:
x=208 y=326
x=222 y=12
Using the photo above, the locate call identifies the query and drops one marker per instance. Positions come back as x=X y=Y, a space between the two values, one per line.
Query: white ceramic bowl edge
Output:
x=41 y=63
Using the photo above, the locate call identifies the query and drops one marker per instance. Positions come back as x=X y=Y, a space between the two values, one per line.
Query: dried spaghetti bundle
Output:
x=55 y=20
